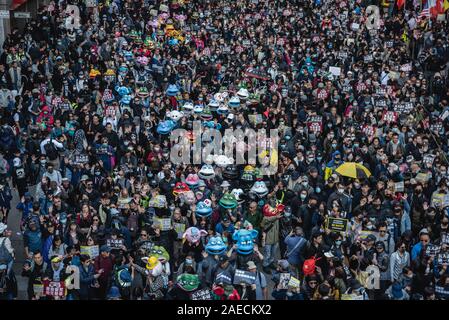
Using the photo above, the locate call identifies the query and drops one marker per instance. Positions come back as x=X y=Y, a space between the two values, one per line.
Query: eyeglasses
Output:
x=143 y=235
x=313 y=282
x=96 y=219
x=382 y=231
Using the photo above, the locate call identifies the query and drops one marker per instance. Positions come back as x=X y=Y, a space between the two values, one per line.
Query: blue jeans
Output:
x=268 y=253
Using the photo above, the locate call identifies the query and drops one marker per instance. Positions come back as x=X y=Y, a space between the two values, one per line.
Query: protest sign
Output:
x=336 y=71
x=352 y=296
x=405 y=107
x=256 y=73
x=293 y=282
x=368 y=58
x=432 y=250
x=368 y=130
x=179 y=228
x=203 y=294
x=54 y=288
x=422 y=177
x=242 y=276
x=115 y=243
x=399 y=186
x=38 y=289
x=92 y=251
x=381 y=91
x=110 y=111
x=223 y=277
x=445 y=238
x=315 y=124
x=81 y=159
x=322 y=94
x=390 y=116
x=337 y=224
x=437 y=200
x=158 y=201
x=443 y=258
x=381 y=103
x=355 y=26
x=429 y=158
x=165 y=223
x=363 y=235
x=406 y=67
x=284 y=280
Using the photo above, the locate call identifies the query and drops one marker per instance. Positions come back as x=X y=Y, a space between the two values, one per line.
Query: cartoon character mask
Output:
x=203 y=210
x=260 y=189
x=165 y=127
x=234 y=102
x=207 y=172
x=238 y=194
x=213 y=105
x=188 y=282
x=193 y=234
x=192 y=180
x=223 y=109
x=215 y=246
x=187 y=107
x=188 y=197
x=244 y=240
x=179 y=188
x=243 y=94
x=175 y=115
x=231 y=172
x=206 y=114
x=160 y=253
x=122 y=90
x=222 y=161
x=142 y=92
x=172 y=90
x=153 y=265
x=228 y=201
x=198 y=109
x=269 y=211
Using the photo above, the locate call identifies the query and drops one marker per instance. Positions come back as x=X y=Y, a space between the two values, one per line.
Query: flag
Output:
x=425 y=12
x=437 y=8
x=445 y=5
x=400 y=3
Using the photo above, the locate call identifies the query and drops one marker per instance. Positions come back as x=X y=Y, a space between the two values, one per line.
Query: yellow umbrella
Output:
x=353 y=170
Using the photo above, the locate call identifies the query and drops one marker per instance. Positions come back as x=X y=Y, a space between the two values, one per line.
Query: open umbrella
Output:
x=353 y=170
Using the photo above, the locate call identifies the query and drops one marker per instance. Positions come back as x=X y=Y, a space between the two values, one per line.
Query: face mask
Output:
x=303 y=196
x=338 y=243
x=317 y=189
x=305 y=183
x=319 y=158
x=334 y=145
x=356 y=185
x=341 y=190
x=356 y=145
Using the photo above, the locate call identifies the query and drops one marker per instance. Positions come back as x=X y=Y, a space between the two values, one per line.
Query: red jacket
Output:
x=106 y=265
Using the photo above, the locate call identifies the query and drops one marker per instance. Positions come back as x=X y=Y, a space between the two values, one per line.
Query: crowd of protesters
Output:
x=88 y=105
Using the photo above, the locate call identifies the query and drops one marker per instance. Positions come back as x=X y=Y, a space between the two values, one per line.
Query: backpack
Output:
x=51 y=151
x=5 y=255
x=309 y=266
x=6 y=138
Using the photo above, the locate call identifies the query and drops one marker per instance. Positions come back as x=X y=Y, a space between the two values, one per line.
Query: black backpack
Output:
x=51 y=151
